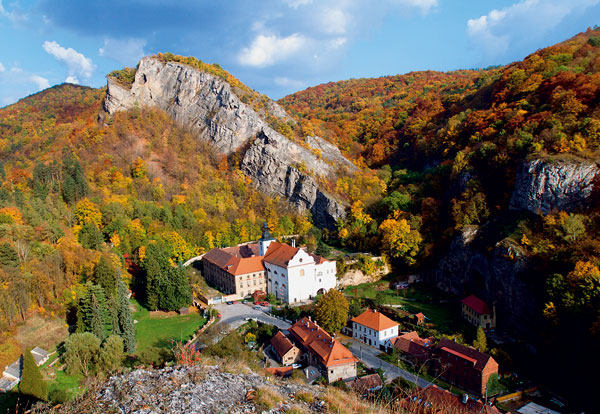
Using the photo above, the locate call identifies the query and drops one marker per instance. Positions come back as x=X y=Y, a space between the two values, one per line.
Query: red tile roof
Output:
x=280 y=371
x=238 y=260
x=317 y=341
x=281 y=344
x=479 y=359
x=374 y=320
x=434 y=400
x=280 y=253
x=476 y=304
x=318 y=259
x=413 y=345
x=367 y=383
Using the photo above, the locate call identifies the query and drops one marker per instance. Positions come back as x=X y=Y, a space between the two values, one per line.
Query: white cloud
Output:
x=15 y=16
x=334 y=21
x=287 y=82
x=497 y=31
x=42 y=83
x=297 y=3
x=16 y=69
x=424 y=5
x=124 y=51
x=77 y=64
x=268 y=50
x=72 y=79
x=2 y=68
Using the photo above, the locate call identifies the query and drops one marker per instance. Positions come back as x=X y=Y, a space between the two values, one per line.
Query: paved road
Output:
x=235 y=316
x=368 y=355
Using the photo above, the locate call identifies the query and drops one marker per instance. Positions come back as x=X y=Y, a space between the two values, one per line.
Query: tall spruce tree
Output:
x=74 y=185
x=106 y=276
x=126 y=327
x=97 y=318
x=32 y=383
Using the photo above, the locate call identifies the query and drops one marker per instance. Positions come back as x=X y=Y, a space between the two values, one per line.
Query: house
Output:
x=288 y=272
x=368 y=383
x=40 y=355
x=14 y=370
x=312 y=373
x=478 y=313
x=374 y=328
x=419 y=318
x=413 y=347
x=435 y=400
x=333 y=359
x=533 y=408
x=285 y=351
x=464 y=366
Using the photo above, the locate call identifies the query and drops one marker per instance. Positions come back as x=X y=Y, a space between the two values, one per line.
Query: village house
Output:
x=414 y=348
x=11 y=375
x=285 y=351
x=478 y=313
x=464 y=366
x=288 y=272
x=375 y=329
x=333 y=359
x=367 y=384
x=435 y=400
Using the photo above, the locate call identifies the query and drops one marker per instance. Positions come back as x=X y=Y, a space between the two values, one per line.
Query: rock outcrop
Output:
x=501 y=276
x=191 y=390
x=209 y=106
x=543 y=186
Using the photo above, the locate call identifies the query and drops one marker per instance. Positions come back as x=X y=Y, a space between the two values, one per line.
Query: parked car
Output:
x=265 y=303
x=218 y=315
x=257 y=303
x=296 y=366
x=257 y=307
x=229 y=303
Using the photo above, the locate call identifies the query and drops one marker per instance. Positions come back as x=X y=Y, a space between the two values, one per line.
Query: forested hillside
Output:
x=77 y=193
x=448 y=147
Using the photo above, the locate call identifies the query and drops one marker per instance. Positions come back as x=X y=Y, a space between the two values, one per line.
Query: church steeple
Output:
x=265 y=240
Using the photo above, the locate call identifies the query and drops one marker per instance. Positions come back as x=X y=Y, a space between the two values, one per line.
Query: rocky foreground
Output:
x=207 y=390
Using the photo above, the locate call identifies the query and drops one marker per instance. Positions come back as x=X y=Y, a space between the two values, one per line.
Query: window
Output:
x=301 y=272
x=300 y=260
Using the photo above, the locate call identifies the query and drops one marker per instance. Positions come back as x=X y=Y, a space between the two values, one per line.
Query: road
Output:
x=368 y=355
x=235 y=315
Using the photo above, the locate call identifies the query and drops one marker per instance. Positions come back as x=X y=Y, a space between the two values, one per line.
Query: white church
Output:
x=288 y=272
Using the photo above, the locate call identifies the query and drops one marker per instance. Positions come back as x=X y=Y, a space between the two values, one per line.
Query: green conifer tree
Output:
x=106 y=276
x=126 y=327
x=32 y=383
x=97 y=318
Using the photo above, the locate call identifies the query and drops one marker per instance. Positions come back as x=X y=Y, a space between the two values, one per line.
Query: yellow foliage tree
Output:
x=88 y=212
x=399 y=240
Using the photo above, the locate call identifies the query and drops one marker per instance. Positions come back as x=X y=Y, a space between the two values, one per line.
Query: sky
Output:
x=277 y=47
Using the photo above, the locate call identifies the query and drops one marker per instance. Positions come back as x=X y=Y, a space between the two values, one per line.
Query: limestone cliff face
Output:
x=542 y=186
x=501 y=276
x=210 y=107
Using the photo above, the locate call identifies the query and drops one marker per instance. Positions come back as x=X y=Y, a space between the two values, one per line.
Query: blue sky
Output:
x=276 y=47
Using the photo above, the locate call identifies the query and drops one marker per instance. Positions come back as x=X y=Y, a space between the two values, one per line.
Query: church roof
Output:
x=280 y=253
x=266 y=233
x=238 y=260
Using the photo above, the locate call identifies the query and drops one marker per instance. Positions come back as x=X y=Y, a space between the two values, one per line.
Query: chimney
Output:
x=309 y=318
x=293 y=242
x=465 y=398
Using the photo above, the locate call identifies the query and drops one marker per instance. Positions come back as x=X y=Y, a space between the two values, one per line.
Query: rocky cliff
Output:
x=501 y=276
x=210 y=106
x=543 y=186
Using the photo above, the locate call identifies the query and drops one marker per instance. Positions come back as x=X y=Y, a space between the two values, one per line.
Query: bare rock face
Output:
x=542 y=186
x=209 y=106
x=279 y=167
x=502 y=276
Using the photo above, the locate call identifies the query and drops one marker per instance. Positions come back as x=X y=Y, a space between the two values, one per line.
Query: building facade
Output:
x=478 y=313
x=288 y=272
x=464 y=366
x=374 y=329
x=285 y=351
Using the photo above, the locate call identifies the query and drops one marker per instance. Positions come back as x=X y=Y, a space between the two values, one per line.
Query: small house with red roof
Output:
x=375 y=329
x=335 y=361
x=285 y=351
x=464 y=366
x=413 y=347
x=478 y=313
x=435 y=400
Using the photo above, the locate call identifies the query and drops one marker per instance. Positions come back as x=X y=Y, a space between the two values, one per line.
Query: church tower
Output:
x=265 y=240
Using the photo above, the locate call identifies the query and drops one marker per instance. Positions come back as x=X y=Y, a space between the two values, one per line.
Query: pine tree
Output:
x=92 y=314
x=126 y=327
x=167 y=286
x=75 y=185
x=32 y=384
x=106 y=276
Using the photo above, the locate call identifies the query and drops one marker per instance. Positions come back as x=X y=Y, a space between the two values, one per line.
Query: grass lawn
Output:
x=445 y=316
x=67 y=385
x=159 y=329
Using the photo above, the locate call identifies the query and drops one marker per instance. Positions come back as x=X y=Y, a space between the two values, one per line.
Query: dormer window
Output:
x=300 y=260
